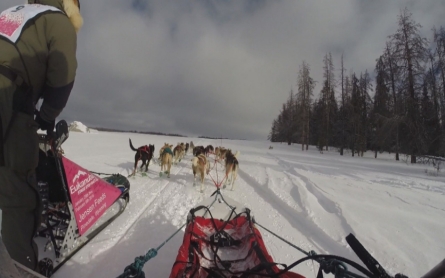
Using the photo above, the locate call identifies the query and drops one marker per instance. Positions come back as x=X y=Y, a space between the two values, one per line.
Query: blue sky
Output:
x=219 y=68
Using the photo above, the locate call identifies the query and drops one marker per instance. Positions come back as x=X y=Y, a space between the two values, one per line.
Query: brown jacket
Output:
x=45 y=57
x=42 y=53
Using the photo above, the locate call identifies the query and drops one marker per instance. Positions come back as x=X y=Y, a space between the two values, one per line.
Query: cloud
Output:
x=218 y=68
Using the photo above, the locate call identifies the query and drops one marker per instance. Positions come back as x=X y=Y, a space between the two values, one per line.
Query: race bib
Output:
x=14 y=19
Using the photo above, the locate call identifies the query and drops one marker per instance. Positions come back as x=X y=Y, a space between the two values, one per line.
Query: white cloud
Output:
x=203 y=67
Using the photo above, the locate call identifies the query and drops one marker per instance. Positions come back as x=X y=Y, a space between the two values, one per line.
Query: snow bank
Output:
x=80 y=127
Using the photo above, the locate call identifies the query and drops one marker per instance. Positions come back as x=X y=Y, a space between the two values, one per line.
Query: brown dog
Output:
x=166 y=160
x=161 y=151
x=178 y=153
x=209 y=149
x=232 y=166
x=222 y=153
x=201 y=166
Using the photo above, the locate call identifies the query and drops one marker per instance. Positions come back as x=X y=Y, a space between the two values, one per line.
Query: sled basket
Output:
x=214 y=247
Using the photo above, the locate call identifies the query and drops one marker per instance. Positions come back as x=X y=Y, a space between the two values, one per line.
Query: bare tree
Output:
x=328 y=96
x=393 y=72
x=439 y=39
x=409 y=51
x=305 y=85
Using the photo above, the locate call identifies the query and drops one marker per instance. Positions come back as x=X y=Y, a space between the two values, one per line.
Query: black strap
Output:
x=13 y=76
x=2 y=155
x=22 y=100
x=8 y=73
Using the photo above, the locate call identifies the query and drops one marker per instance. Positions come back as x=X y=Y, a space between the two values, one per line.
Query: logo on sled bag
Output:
x=90 y=195
x=79 y=174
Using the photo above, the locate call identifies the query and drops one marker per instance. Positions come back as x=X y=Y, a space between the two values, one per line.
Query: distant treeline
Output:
x=137 y=131
x=405 y=115
x=153 y=133
x=208 y=137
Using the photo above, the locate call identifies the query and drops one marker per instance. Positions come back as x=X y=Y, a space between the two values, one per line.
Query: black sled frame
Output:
x=59 y=226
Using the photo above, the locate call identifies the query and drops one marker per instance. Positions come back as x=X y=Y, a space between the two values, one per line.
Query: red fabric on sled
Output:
x=195 y=256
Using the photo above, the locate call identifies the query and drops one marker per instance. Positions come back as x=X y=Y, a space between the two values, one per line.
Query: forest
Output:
x=400 y=110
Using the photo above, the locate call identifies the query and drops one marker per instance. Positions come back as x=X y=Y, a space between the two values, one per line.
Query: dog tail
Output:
x=236 y=154
x=131 y=146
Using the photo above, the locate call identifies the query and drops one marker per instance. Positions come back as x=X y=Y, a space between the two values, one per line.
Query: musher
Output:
x=38 y=44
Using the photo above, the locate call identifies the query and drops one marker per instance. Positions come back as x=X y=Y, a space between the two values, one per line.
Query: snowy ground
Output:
x=313 y=200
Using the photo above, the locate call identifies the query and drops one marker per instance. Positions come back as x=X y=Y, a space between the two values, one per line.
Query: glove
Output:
x=44 y=125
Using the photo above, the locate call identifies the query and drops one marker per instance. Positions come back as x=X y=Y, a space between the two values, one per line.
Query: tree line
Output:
x=405 y=115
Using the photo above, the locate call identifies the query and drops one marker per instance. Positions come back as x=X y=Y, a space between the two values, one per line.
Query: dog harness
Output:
x=167 y=150
x=144 y=149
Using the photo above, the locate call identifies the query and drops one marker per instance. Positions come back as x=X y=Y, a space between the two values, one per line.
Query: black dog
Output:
x=144 y=153
x=198 y=150
x=208 y=149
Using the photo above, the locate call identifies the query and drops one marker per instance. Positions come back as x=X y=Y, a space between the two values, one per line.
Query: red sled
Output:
x=221 y=240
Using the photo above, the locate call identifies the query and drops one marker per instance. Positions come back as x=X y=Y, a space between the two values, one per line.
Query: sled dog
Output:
x=144 y=153
x=231 y=169
x=200 y=166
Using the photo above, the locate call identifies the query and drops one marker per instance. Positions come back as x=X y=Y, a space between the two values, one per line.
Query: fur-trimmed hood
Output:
x=70 y=7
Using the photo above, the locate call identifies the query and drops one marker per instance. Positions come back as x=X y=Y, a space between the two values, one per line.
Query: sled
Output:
x=77 y=204
x=221 y=240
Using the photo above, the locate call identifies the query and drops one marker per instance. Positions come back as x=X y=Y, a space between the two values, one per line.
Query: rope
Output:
x=135 y=269
x=217 y=184
x=310 y=253
x=335 y=265
x=97 y=173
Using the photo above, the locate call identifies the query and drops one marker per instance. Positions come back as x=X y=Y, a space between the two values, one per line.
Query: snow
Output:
x=313 y=200
x=80 y=127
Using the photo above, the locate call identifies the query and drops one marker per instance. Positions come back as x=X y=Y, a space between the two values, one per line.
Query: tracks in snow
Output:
x=301 y=220
x=130 y=217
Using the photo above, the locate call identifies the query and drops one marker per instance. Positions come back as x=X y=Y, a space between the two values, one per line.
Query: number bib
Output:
x=14 y=19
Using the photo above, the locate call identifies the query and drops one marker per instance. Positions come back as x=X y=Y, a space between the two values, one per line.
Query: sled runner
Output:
x=77 y=204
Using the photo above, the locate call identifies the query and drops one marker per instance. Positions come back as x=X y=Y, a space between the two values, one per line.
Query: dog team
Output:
x=169 y=155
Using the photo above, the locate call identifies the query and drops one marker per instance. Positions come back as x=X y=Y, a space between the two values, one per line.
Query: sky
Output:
x=219 y=68
x=394 y=208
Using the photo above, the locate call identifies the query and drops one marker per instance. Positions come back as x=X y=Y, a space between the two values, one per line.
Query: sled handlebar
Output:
x=56 y=138
x=437 y=272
